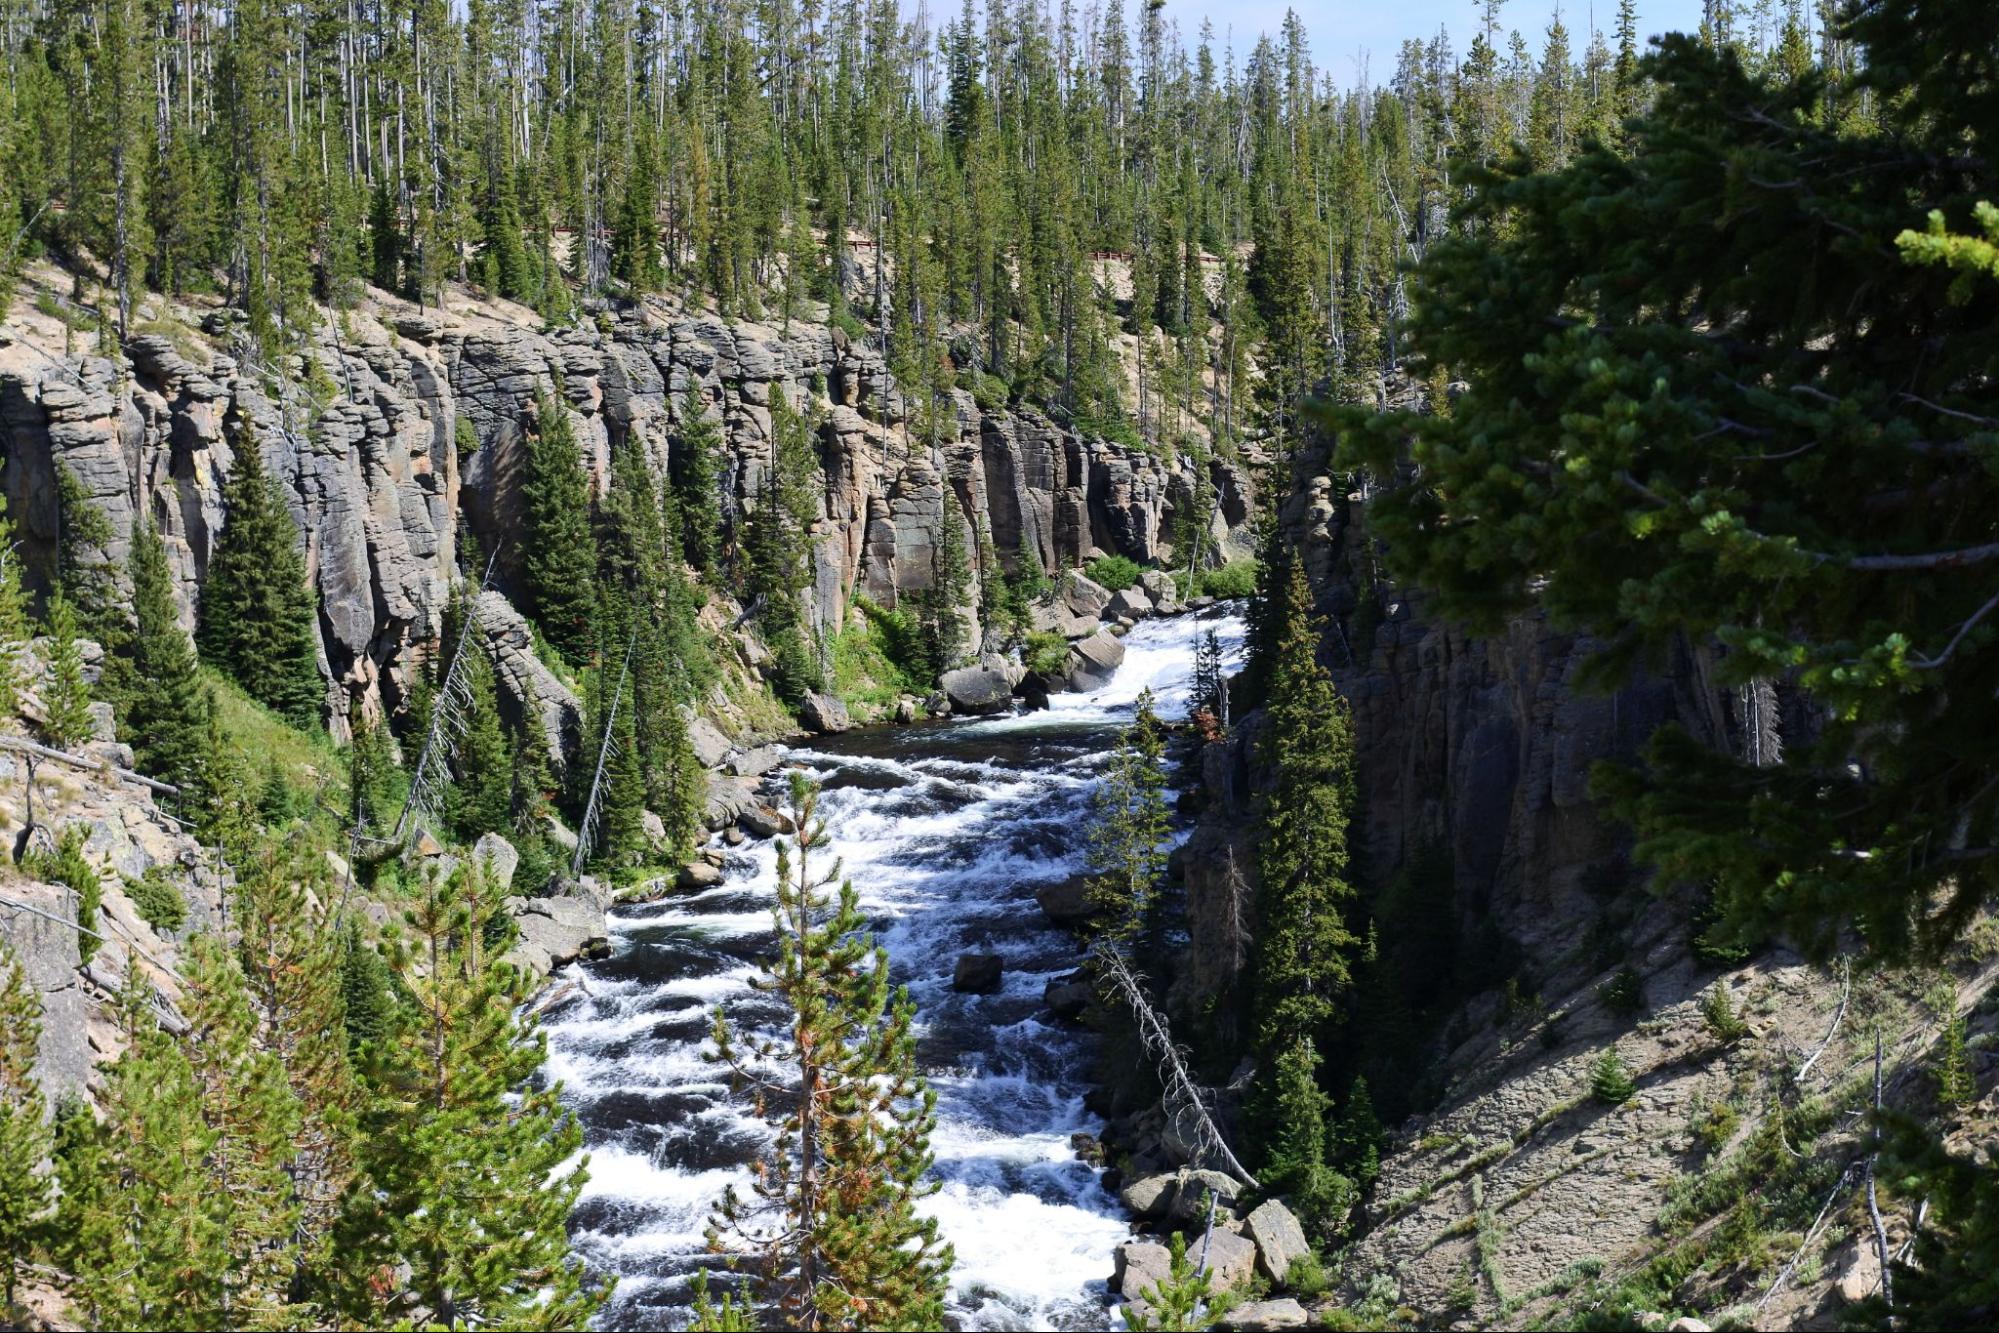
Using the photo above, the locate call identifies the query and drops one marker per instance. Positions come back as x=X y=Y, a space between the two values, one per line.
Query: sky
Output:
x=1343 y=29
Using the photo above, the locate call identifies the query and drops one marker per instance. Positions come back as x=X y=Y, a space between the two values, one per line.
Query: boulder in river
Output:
x=1130 y=604
x=760 y=821
x=978 y=689
x=1094 y=661
x=1066 y=902
x=1083 y=595
x=753 y=763
x=557 y=931
x=825 y=714
x=978 y=973
x=1068 y=996
x=699 y=875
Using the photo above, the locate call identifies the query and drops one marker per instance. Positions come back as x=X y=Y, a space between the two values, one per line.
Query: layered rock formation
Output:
x=393 y=427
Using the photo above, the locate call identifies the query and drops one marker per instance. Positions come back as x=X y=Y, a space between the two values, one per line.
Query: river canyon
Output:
x=946 y=829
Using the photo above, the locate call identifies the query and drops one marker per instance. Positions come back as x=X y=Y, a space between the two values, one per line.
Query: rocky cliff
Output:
x=396 y=428
x=1474 y=752
x=1726 y=1182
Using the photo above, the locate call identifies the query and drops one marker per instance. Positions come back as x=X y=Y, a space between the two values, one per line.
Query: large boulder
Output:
x=1159 y=586
x=1068 y=996
x=1130 y=604
x=530 y=692
x=727 y=799
x=557 y=931
x=824 y=714
x=711 y=747
x=696 y=875
x=498 y=858
x=1231 y=1259
x=760 y=821
x=978 y=973
x=978 y=689
x=1190 y=1199
x=1149 y=1197
x=1265 y=1316
x=1094 y=661
x=1082 y=595
x=1066 y=902
x=1138 y=1265
x=1278 y=1237
x=44 y=944
x=753 y=763
x=1056 y=615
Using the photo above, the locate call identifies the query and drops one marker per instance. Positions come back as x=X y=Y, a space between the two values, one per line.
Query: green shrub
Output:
x=1624 y=993
x=1610 y=1080
x=1306 y=1278
x=1235 y=579
x=1045 y=652
x=466 y=437
x=1713 y=1125
x=902 y=640
x=69 y=866
x=1115 y=572
x=159 y=902
x=1718 y=1012
x=864 y=656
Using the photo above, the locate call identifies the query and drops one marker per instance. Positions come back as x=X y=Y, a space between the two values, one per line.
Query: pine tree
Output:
x=24 y=1136
x=463 y=1205
x=13 y=618
x=481 y=796
x=620 y=834
x=1357 y=1136
x=1793 y=524
x=165 y=704
x=66 y=721
x=696 y=467
x=1128 y=849
x=173 y=1211
x=1210 y=688
x=848 y=1250
x=950 y=591
x=252 y=1119
x=226 y=815
x=1949 y=1276
x=1294 y=1116
x=1610 y=1079
x=83 y=572
x=1304 y=944
x=376 y=784
x=559 y=556
x=259 y=615
x=1178 y=1303
x=294 y=966
x=1956 y=1088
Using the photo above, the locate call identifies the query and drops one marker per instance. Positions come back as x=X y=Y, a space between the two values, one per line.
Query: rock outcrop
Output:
x=392 y=425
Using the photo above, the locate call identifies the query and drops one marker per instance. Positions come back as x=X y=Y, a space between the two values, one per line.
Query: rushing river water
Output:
x=946 y=829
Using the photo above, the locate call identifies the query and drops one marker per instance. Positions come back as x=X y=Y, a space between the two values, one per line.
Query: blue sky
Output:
x=1342 y=29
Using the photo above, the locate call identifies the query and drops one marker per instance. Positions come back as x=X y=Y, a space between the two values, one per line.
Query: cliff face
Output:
x=410 y=422
x=1474 y=752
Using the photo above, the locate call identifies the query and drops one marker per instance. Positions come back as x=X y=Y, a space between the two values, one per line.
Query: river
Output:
x=946 y=828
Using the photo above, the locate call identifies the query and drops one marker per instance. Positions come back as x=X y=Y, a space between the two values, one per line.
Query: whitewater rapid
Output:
x=946 y=830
